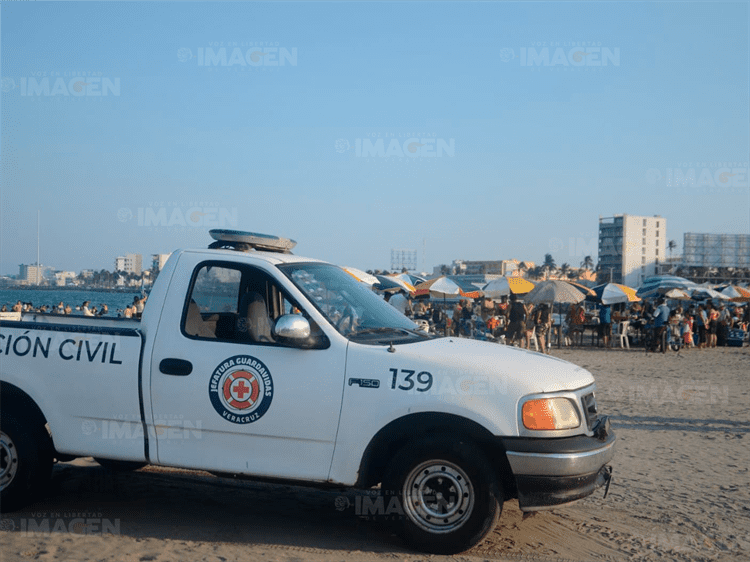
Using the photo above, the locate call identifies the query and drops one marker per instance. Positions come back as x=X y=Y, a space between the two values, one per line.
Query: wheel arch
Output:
x=412 y=427
x=12 y=397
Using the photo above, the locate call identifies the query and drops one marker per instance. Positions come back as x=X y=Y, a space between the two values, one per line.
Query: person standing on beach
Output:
x=542 y=322
x=517 y=320
x=713 y=324
x=18 y=307
x=701 y=321
x=457 y=319
x=661 y=322
x=605 y=324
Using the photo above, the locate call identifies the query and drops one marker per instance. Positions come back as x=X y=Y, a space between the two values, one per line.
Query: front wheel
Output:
x=449 y=495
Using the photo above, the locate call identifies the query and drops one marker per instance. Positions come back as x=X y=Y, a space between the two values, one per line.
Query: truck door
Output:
x=225 y=395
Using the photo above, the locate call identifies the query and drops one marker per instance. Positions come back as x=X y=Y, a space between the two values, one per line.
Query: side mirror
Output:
x=293 y=328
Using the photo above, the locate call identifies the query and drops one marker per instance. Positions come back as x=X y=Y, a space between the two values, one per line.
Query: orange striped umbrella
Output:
x=737 y=294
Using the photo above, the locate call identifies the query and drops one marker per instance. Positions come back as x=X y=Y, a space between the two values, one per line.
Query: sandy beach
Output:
x=681 y=491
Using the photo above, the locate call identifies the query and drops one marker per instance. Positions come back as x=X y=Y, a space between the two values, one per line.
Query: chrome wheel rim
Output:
x=438 y=496
x=8 y=460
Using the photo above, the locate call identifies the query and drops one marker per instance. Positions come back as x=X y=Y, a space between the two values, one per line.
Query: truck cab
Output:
x=252 y=361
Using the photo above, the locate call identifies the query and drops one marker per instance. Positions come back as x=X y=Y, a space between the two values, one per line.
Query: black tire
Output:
x=25 y=459
x=463 y=495
x=120 y=466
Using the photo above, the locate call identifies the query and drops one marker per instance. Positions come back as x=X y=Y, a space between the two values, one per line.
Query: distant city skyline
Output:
x=470 y=131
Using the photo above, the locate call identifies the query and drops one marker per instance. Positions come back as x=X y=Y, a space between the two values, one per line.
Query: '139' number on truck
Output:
x=424 y=379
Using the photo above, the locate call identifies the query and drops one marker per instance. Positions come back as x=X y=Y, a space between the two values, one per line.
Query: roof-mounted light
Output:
x=242 y=241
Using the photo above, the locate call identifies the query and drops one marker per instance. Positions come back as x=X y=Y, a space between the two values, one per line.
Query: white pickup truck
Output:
x=251 y=361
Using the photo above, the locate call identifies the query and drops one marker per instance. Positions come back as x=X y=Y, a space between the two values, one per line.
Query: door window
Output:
x=227 y=302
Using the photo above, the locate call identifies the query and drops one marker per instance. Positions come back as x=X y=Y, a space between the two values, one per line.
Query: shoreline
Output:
x=82 y=289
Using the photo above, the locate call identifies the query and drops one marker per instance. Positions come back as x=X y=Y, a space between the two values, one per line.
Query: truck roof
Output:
x=274 y=258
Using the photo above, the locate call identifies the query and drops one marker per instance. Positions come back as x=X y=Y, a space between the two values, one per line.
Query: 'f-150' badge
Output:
x=241 y=389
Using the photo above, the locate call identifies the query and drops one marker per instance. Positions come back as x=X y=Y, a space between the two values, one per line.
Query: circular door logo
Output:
x=241 y=389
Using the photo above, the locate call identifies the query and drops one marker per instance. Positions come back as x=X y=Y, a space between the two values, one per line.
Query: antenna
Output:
x=38 y=270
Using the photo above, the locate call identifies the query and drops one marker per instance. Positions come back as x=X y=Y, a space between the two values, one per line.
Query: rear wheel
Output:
x=449 y=495
x=25 y=459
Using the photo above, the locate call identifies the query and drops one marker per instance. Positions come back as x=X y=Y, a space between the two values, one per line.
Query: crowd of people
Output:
x=698 y=325
x=510 y=320
x=133 y=310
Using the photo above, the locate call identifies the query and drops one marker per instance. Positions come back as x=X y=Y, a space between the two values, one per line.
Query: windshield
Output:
x=350 y=306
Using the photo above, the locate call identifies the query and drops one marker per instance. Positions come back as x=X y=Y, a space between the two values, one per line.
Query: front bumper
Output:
x=552 y=472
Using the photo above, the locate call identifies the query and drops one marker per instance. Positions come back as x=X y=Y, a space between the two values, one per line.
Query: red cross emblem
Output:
x=241 y=390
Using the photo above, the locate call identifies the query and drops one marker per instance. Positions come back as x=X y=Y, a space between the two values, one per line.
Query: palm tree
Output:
x=565 y=270
x=537 y=272
x=671 y=246
x=523 y=268
x=587 y=263
x=549 y=264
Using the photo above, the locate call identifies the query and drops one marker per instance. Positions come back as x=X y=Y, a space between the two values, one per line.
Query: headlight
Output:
x=550 y=413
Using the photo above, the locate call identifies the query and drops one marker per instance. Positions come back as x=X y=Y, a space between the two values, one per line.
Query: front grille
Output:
x=589 y=409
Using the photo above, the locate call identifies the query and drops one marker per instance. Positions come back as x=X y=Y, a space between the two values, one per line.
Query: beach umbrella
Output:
x=411 y=279
x=361 y=276
x=468 y=289
x=736 y=294
x=653 y=286
x=507 y=285
x=554 y=291
x=703 y=293
x=588 y=291
x=392 y=283
x=438 y=287
x=677 y=294
x=614 y=293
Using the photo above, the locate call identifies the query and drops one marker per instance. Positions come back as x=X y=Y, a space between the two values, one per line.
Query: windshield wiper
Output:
x=387 y=330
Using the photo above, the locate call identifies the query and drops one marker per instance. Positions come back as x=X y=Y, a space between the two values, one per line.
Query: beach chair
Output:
x=622 y=333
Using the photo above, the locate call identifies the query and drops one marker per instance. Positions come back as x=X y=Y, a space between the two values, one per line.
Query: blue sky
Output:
x=539 y=147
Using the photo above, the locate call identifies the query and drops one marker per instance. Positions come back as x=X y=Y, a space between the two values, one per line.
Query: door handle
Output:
x=177 y=367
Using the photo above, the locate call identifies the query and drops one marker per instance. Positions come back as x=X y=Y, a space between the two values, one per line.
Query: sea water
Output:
x=115 y=300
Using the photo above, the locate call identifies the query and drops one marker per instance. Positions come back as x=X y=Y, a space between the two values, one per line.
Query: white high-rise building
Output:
x=158 y=261
x=631 y=247
x=130 y=263
x=31 y=274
